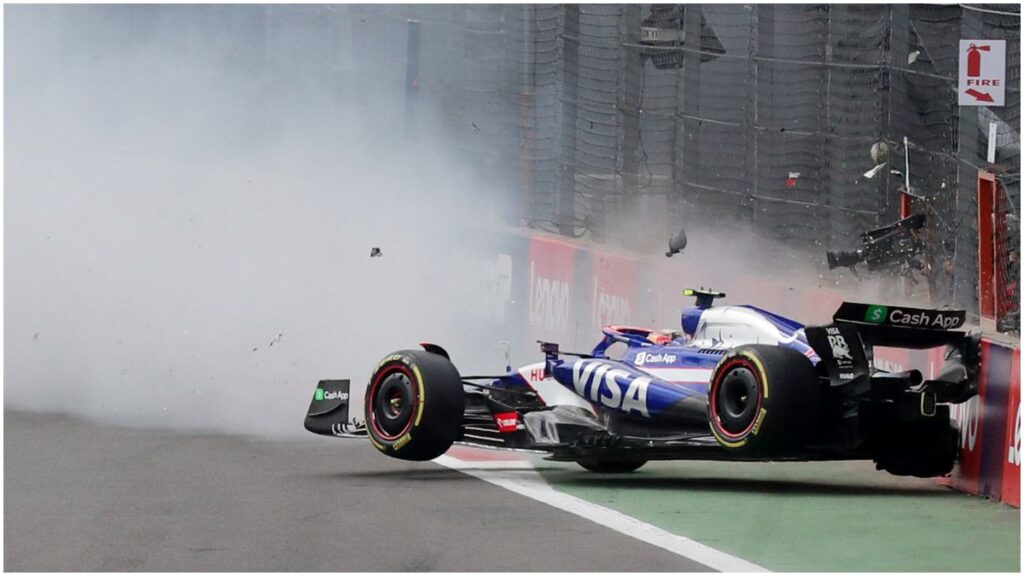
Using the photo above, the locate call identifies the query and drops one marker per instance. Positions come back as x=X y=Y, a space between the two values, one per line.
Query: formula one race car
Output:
x=737 y=383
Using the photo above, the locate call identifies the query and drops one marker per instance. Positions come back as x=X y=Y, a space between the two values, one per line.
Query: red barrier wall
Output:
x=990 y=429
x=613 y=281
x=1011 y=469
x=552 y=289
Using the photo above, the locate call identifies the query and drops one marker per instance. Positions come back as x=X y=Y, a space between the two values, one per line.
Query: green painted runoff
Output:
x=823 y=516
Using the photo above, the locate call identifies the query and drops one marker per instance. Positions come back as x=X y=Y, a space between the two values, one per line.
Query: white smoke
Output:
x=188 y=237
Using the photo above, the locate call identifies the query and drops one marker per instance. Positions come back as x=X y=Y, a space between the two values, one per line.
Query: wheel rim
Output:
x=393 y=399
x=737 y=400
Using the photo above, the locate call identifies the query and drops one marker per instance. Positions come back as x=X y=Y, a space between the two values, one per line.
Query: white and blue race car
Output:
x=735 y=383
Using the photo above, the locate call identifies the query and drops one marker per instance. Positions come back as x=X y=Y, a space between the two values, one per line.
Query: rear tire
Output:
x=414 y=405
x=610 y=466
x=763 y=401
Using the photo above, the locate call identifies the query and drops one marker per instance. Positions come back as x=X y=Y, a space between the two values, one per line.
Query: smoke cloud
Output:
x=190 y=215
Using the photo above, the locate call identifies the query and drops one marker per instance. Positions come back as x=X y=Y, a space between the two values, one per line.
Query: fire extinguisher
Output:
x=974 y=60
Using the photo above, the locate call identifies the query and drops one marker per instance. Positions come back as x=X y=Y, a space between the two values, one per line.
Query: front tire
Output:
x=414 y=405
x=763 y=401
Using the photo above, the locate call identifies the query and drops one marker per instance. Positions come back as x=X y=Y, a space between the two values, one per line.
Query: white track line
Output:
x=524 y=480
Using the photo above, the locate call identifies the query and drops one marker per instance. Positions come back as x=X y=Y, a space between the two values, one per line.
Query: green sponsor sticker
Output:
x=319 y=394
x=876 y=314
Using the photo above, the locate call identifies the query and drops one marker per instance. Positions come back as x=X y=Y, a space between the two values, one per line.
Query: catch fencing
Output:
x=776 y=116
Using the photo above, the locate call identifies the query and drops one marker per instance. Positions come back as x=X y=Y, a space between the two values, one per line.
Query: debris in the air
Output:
x=677 y=243
x=793 y=176
x=375 y=252
x=879 y=152
x=912 y=57
x=874 y=171
x=475 y=127
x=272 y=342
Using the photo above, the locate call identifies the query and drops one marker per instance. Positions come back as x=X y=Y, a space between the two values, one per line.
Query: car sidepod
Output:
x=621 y=389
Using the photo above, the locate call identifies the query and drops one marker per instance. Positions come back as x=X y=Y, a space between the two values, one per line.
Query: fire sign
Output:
x=982 y=72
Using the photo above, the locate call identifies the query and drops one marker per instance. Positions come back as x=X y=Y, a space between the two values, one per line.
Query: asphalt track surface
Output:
x=86 y=497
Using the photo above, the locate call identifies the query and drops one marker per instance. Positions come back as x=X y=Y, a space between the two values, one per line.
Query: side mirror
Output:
x=677 y=243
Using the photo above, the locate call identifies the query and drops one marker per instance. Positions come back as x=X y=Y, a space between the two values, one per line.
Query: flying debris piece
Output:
x=874 y=171
x=375 y=252
x=893 y=248
x=475 y=127
x=677 y=243
x=1009 y=322
x=276 y=339
x=879 y=152
x=912 y=57
x=793 y=177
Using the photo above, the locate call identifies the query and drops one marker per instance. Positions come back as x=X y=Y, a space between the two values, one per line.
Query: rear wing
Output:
x=845 y=347
x=902 y=326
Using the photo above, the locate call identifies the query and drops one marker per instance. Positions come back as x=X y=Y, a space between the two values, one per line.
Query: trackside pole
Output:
x=905 y=202
x=986 y=245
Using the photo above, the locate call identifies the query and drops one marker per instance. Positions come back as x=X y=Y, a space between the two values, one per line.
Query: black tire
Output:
x=763 y=401
x=611 y=466
x=414 y=405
